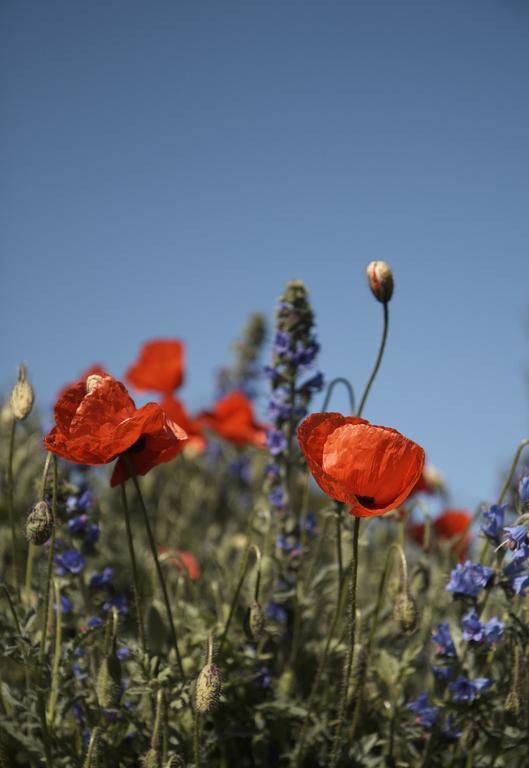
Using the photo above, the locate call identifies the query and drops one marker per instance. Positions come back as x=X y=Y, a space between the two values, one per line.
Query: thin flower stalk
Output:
x=135 y=577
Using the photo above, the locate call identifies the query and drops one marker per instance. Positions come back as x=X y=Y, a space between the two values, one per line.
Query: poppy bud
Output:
x=406 y=612
x=92 y=383
x=150 y=759
x=254 y=622
x=108 y=684
x=380 y=279
x=513 y=704
x=39 y=523
x=208 y=686
x=22 y=397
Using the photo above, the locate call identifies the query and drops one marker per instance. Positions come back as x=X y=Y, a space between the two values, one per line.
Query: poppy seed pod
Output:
x=39 y=523
x=380 y=278
x=22 y=396
x=208 y=686
x=406 y=612
x=254 y=622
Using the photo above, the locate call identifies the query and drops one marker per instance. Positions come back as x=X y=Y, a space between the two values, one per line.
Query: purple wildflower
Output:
x=516 y=535
x=276 y=441
x=425 y=715
x=466 y=690
x=71 y=560
x=469 y=579
x=103 y=579
x=494 y=518
x=442 y=637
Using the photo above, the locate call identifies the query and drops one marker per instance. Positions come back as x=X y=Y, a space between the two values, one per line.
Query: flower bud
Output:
x=208 y=687
x=380 y=279
x=22 y=397
x=39 y=523
x=108 y=684
x=254 y=622
x=406 y=612
x=92 y=383
x=151 y=759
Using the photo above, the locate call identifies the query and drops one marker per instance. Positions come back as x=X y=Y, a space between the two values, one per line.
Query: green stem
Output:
x=135 y=578
x=196 y=740
x=242 y=574
x=394 y=548
x=351 y=627
x=298 y=753
x=49 y=574
x=32 y=547
x=91 y=755
x=378 y=360
x=512 y=470
x=11 y=506
x=159 y=572
x=56 y=655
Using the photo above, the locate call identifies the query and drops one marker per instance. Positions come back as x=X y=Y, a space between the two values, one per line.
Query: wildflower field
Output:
x=235 y=588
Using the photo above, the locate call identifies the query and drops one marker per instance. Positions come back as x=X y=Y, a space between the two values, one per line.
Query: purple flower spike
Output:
x=443 y=638
x=425 y=714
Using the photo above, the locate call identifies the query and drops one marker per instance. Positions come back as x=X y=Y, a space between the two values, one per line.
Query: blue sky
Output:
x=168 y=166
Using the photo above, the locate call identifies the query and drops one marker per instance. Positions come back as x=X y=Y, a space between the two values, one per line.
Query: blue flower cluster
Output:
x=294 y=354
x=516 y=572
x=476 y=631
x=469 y=579
x=494 y=522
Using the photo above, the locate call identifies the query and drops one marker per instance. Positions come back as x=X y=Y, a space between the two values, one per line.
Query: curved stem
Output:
x=11 y=505
x=330 y=388
x=56 y=654
x=32 y=548
x=91 y=755
x=159 y=573
x=351 y=627
x=135 y=578
x=378 y=360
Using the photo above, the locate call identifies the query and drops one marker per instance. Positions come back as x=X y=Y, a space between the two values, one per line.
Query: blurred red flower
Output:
x=451 y=524
x=233 y=419
x=176 y=411
x=183 y=560
x=159 y=367
x=97 y=421
x=370 y=467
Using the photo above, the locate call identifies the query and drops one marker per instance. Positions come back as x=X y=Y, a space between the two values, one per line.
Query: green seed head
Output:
x=208 y=686
x=39 y=524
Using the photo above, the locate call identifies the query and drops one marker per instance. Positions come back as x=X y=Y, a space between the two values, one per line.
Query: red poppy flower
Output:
x=94 y=370
x=451 y=524
x=176 y=411
x=96 y=422
x=369 y=467
x=160 y=366
x=183 y=560
x=233 y=419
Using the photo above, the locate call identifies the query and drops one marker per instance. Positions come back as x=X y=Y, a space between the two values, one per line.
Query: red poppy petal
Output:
x=378 y=464
x=68 y=403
